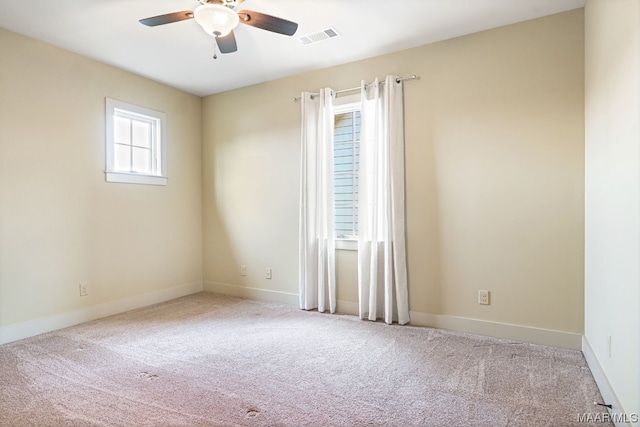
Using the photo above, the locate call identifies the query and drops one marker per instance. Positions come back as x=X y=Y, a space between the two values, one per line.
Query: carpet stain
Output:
x=147 y=376
x=252 y=413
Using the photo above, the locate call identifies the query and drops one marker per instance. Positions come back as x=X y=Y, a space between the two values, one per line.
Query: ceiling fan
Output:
x=218 y=18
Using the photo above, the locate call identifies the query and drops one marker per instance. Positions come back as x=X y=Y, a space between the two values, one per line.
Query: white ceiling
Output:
x=180 y=54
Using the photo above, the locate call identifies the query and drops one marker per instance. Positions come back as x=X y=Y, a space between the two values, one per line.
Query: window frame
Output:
x=157 y=119
x=346 y=104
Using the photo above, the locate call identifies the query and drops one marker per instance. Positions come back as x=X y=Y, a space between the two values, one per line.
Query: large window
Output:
x=346 y=165
x=135 y=144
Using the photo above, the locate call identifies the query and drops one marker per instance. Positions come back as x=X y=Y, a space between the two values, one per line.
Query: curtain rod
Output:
x=398 y=80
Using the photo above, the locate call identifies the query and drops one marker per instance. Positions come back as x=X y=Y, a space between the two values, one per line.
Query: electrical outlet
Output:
x=268 y=275
x=483 y=297
x=243 y=270
x=84 y=289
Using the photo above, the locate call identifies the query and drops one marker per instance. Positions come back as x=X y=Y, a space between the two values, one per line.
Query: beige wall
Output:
x=495 y=176
x=612 y=216
x=60 y=222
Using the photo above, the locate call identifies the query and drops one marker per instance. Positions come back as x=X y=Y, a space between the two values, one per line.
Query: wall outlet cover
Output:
x=84 y=289
x=483 y=297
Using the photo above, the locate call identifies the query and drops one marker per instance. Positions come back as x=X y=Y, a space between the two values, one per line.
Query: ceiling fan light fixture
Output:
x=215 y=19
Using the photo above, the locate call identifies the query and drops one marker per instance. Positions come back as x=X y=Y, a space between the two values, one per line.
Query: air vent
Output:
x=320 y=36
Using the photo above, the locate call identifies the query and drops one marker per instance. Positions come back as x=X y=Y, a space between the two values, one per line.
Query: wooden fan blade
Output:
x=268 y=22
x=227 y=44
x=167 y=19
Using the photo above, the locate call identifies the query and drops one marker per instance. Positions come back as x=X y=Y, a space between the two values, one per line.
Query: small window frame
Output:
x=157 y=119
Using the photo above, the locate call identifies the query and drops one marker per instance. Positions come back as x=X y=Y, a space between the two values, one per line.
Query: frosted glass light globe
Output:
x=216 y=19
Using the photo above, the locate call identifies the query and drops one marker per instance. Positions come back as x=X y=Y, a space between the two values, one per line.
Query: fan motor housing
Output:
x=228 y=3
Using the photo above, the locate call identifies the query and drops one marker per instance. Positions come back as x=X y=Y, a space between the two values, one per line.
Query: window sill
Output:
x=347 y=244
x=134 y=178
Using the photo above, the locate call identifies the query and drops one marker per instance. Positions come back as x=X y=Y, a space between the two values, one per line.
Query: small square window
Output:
x=136 y=149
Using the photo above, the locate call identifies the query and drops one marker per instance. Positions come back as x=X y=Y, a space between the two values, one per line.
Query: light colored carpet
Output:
x=212 y=360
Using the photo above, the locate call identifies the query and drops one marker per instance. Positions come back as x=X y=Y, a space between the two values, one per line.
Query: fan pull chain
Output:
x=215 y=49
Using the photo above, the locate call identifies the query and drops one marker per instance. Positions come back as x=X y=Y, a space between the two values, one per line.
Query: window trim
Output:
x=113 y=175
x=347 y=243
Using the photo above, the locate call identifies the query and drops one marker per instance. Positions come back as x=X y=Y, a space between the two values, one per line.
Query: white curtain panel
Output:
x=382 y=265
x=317 y=244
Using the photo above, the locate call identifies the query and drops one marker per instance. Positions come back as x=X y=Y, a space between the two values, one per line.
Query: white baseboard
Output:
x=347 y=307
x=482 y=327
x=252 y=293
x=31 y=328
x=528 y=334
x=608 y=394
